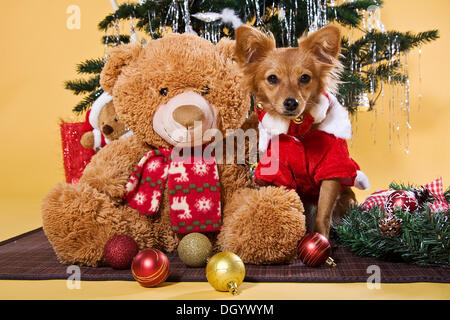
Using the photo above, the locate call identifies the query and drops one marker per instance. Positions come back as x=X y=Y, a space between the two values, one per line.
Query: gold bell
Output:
x=259 y=106
x=298 y=120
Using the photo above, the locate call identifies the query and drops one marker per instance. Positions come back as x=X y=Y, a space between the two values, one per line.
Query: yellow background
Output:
x=38 y=53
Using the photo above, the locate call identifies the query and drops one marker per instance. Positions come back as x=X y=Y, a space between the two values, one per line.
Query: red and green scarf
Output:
x=194 y=189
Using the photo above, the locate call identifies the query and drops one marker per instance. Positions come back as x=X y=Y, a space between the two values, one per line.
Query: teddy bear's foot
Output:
x=263 y=226
x=69 y=221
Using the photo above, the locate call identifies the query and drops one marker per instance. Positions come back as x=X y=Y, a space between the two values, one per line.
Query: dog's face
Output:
x=287 y=81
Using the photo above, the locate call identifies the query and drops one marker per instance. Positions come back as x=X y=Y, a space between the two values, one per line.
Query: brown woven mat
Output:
x=31 y=257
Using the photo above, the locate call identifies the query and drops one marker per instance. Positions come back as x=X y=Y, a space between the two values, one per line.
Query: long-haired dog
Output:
x=293 y=90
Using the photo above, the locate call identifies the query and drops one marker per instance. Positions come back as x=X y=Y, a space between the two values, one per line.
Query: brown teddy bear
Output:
x=103 y=124
x=167 y=93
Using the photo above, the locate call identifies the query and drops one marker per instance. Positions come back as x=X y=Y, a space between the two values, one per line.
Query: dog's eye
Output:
x=205 y=90
x=164 y=92
x=273 y=79
x=305 y=78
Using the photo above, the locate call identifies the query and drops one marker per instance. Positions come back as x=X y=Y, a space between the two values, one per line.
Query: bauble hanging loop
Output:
x=225 y=271
x=314 y=250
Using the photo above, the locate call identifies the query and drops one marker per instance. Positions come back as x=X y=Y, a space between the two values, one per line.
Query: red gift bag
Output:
x=75 y=156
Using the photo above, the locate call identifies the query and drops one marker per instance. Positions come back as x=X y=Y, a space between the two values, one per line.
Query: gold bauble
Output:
x=225 y=271
x=194 y=249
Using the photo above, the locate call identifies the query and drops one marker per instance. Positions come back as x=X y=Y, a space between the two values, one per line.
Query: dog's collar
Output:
x=319 y=112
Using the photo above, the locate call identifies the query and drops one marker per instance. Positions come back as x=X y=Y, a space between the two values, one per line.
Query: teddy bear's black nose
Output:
x=107 y=129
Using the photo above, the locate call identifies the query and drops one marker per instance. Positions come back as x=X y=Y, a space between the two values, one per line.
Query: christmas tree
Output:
x=371 y=55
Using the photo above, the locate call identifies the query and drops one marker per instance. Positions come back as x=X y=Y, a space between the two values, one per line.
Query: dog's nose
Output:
x=186 y=115
x=107 y=129
x=290 y=104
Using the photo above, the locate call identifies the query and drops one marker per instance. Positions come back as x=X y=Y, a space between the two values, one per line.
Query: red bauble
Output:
x=119 y=251
x=314 y=250
x=150 y=267
x=404 y=200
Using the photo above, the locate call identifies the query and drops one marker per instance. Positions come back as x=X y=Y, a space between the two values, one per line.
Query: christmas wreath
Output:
x=416 y=229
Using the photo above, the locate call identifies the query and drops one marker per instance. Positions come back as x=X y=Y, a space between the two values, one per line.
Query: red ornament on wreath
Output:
x=400 y=199
x=314 y=250
x=150 y=267
x=119 y=251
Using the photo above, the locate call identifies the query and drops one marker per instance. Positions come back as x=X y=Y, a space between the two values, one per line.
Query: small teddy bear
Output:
x=104 y=125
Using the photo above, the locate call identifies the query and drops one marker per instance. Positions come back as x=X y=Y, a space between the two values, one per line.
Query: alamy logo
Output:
x=74 y=20
x=374 y=280
x=74 y=280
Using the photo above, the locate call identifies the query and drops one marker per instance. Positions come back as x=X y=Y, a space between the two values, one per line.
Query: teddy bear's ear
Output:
x=226 y=48
x=119 y=57
x=252 y=45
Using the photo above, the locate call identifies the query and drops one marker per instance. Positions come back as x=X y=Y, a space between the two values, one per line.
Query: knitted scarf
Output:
x=194 y=189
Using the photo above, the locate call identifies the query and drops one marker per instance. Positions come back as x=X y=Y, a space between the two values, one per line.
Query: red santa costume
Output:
x=299 y=157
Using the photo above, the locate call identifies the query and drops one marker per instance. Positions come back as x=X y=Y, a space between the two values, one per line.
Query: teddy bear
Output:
x=102 y=124
x=178 y=92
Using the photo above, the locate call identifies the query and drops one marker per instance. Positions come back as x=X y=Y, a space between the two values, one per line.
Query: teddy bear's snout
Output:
x=187 y=115
x=107 y=129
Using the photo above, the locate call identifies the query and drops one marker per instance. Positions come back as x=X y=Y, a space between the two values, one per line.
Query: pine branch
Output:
x=81 y=86
x=91 y=66
x=87 y=102
x=348 y=13
x=387 y=45
x=401 y=186
x=125 y=11
x=368 y=62
x=114 y=40
x=424 y=240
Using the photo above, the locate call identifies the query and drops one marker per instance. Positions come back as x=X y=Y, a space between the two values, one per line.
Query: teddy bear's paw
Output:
x=69 y=221
x=263 y=226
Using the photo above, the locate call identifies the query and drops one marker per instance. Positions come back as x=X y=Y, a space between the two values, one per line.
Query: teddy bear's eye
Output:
x=164 y=91
x=116 y=120
x=205 y=90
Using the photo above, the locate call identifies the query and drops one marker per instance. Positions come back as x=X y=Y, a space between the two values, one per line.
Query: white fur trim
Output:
x=264 y=138
x=319 y=111
x=337 y=121
x=97 y=107
x=362 y=181
x=271 y=126
x=126 y=134
x=275 y=125
x=97 y=139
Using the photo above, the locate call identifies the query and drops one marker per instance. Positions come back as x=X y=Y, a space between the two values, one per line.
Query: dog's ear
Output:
x=325 y=44
x=252 y=45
